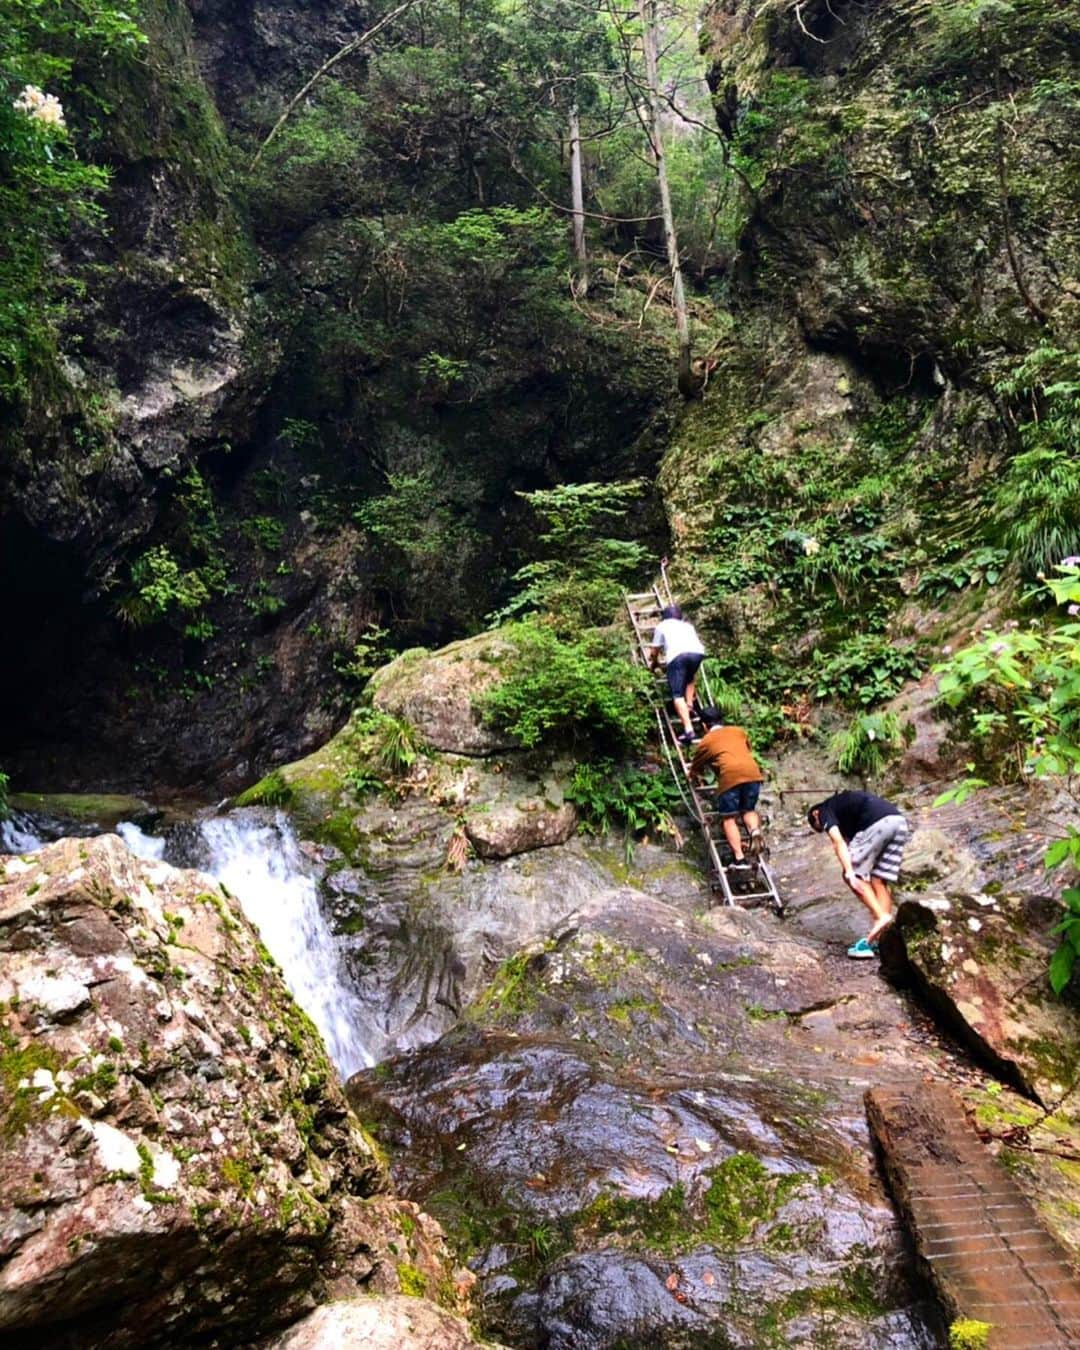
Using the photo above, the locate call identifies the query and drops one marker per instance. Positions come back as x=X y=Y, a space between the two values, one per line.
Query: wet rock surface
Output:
x=649 y=1125
x=431 y=885
x=603 y=1131
x=177 y=1160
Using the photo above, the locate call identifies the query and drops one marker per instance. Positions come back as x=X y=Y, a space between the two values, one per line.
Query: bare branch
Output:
x=349 y=49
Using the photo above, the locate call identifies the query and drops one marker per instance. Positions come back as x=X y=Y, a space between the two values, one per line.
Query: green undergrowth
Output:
x=570 y=691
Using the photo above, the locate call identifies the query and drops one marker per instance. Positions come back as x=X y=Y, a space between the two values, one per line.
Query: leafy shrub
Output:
x=609 y=796
x=726 y=697
x=318 y=166
x=1019 y=695
x=382 y=748
x=395 y=745
x=362 y=779
x=5 y=784
x=159 y=588
x=850 y=562
x=980 y=567
x=866 y=670
x=582 y=581
x=555 y=690
x=45 y=188
x=868 y=744
x=1037 y=504
x=264 y=532
x=369 y=652
x=427 y=548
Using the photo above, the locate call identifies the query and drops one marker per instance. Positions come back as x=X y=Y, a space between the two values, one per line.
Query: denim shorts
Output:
x=742 y=797
x=681 y=671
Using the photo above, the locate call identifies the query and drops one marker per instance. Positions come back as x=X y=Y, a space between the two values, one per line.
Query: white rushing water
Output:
x=261 y=864
x=17 y=836
x=148 y=846
x=259 y=861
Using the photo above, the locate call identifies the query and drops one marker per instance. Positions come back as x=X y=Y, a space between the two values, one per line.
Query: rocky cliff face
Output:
x=903 y=286
x=177 y=1160
x=246 y=366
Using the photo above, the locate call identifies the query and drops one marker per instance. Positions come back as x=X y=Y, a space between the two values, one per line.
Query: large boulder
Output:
x=642 y=1136
x=982 y=963
x=396 y=1323
x=177 y=1160
x=519 y=826
x=435 y=691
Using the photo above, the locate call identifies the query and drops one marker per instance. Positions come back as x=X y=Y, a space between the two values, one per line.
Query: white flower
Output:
x=42 y=107
x=810 y=546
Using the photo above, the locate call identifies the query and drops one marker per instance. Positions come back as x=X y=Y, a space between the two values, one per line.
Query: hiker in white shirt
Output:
x=678 y=643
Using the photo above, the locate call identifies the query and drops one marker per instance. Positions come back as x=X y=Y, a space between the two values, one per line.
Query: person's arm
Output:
x=698 y=764
x=843 y=855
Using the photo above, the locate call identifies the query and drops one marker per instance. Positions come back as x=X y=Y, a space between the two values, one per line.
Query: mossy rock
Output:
x=90 y=808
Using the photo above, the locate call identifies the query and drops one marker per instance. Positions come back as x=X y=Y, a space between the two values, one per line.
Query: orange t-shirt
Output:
x=726 y=750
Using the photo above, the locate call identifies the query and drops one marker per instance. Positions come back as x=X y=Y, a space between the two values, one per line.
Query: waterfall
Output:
x=257 y=858
x=261 y=864
x=148 y=846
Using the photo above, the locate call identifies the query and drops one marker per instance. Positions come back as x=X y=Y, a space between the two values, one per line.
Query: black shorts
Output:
x=681 y=671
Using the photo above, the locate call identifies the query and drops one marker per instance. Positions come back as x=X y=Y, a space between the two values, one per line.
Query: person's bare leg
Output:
x=684 y=714
x=752 y=821
x=731 y=834
x=885 y=902
x=866 y=894
x=691 y=692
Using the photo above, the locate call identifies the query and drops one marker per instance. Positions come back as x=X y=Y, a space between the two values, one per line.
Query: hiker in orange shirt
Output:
x=726 y=750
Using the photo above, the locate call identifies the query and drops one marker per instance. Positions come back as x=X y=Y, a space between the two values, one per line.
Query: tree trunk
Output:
x=688 y=385
x=577 y=202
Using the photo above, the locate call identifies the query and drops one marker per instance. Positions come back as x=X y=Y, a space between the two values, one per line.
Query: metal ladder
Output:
x=643 y=611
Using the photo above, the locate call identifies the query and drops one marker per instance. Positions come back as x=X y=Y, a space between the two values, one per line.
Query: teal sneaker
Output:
x=862 y=950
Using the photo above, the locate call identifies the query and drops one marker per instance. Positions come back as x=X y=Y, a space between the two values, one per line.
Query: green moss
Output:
x=100 y=1082
x=238 y=1173
x=146 y=1177
x=622 y=1010
x=272 y=790
x=511 y=989
x=967 y=1334
x=411 y=1280
x=102 y=808
x=339 y=830
x=23 y=1104
x=743 y=1194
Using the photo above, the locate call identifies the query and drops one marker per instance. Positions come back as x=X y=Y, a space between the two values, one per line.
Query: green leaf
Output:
x=1058 y=851
x=1061 y=967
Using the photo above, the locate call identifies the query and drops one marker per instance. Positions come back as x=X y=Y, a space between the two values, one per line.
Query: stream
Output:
x=255 y=855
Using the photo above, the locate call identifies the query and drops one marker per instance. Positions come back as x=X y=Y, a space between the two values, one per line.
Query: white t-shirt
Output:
x=676 y=637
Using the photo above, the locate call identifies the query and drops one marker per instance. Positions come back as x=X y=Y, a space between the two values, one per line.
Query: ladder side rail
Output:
x=678 y=766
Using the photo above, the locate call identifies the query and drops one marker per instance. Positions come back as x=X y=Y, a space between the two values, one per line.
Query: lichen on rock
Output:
x=177 y=1159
